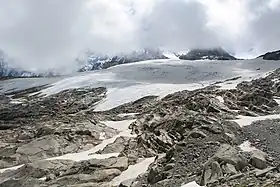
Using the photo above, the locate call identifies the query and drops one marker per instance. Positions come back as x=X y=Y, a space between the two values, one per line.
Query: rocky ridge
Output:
x=193 y=136
x=207 y=54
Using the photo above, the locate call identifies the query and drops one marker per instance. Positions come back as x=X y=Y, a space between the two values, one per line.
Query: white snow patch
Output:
x=118 y=125
x=191 y=184
x=127 y=114
x=277 y=99
x=171 y=55
x=248 y=120
x=11 y=168
x=119 y=96
x=133 y=171
x=247 y=147
x=246 y=75
x=102 y=136
x=43 y=179
x=221 y=99
x=88 y=79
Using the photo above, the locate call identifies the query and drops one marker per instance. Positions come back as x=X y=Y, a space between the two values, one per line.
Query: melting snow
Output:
x=133 y=171
x=11 y=168
x=119 y=96
x=119 y=125
x=221 y=99
x=247 y=120
x=247 y=147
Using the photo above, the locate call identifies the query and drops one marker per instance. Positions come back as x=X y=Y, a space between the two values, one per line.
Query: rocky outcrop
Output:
x=275 y=55
x=207 y=54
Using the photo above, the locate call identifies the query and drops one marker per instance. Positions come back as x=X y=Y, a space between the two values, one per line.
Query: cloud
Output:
x=40 y=34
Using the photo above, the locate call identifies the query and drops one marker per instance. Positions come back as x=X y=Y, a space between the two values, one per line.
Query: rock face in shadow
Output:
x=274 y=55
x=207 y=54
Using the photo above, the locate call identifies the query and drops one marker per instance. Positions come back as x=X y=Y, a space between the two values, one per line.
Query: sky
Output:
x=47 y=34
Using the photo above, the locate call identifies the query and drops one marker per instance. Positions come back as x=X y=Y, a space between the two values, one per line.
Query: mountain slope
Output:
x=96 y=61
x=274 y=55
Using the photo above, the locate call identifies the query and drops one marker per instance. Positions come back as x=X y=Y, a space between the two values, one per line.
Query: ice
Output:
x=191 y=184
x=133 y=171
x=248 y=120
x=119 y=96
x=247 y=147
x=83 y=80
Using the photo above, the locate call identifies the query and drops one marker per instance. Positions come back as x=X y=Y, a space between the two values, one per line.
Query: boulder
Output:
x=258 y=159
x=120 y=163
x=230 y=155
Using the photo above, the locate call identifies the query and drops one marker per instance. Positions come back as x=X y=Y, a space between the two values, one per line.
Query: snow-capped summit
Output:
x=97 y=61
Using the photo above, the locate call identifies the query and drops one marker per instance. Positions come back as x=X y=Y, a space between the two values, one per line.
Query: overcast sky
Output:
x=42 y=34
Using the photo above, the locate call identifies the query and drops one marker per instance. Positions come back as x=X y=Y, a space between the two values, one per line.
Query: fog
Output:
x=50 y=34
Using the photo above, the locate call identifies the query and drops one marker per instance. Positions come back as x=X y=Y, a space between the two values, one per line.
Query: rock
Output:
x=116 y=147
x=197 y=134
x=261 y=173
x=275 y=55
x=210 y=54
x=50 y=177
x=21 y=183
x=211 y=175
x=40 y=148
x=239 y=175
x=258 y=159
x=230 y=155
x=126 y=183
x=120 y=163
x=105 y=174
x=155 y=175
x=230 y=169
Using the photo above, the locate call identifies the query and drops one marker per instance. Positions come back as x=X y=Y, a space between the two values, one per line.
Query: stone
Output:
x=40 y=148
x=211 y=175
x=126 y=183
x=120 y=163
x=258 y=159
x=230 y=155
x=197 y=134
x=261 y=173
x=230 y=169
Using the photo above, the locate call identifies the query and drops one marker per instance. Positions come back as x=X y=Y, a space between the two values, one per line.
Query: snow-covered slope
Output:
x=100 y=61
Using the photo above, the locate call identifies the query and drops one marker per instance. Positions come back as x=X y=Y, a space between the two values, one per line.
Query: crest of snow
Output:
x=191 y=184
x=133 y=171
x=248 y=120
x=119 y=96
x=247 y=147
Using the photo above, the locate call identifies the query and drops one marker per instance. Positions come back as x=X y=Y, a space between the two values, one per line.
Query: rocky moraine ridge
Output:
x=201 y=135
